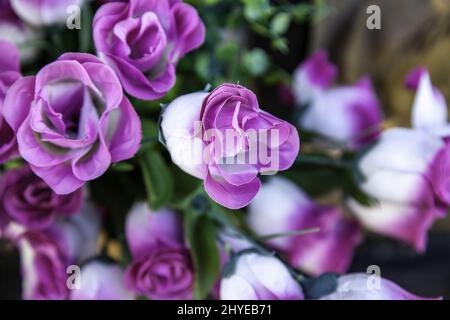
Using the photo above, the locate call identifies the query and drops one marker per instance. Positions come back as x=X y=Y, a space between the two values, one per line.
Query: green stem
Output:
x=322 y=161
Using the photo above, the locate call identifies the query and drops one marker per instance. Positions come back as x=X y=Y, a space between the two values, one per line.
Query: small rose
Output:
x=259 y=277
x=144 y=40
x=28 y=200
x=162 y=267
x=283 y=208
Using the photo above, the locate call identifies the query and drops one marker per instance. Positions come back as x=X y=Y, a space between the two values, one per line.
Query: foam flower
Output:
x=225 y=139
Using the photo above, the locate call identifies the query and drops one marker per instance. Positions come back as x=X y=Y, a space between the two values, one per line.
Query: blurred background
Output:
x=263 y=55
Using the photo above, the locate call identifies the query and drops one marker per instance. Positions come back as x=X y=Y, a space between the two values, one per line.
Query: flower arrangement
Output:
x=139 y=159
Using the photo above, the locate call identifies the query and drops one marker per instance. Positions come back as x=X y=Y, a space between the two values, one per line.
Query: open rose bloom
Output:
x=72 y=121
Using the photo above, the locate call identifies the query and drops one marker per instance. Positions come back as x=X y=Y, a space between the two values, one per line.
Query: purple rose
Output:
x=44 y=12
x=281 y=207
x=407 y=172
x=45 y=255
x=143 y=40
x=162 y=266
x=28 y=200
x=361 y=286
x=9 y=73
x=13 y=29
x=101 y=281
x=72 y=121
x=429 y=111
x=225 y=139
x=43 y=267
x=348 y=114
x=259 y=277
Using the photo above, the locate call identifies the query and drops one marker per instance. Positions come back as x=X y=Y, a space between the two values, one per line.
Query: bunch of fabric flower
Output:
x=70 y=122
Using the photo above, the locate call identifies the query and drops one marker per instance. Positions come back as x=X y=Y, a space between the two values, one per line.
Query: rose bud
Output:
x=161 y=268
x=44 y=12
x=72 y=121
x=46 y=255
x=361 y=286
x=259 y=277
x=144 y=40
x=347 y=114
x=406 y=172
x=43 y=266
x=101 y=280
x=282 y=208
x=9 y=73
x=225 y=139
x=314 y=76
x=13 y=29
x=429 y=111
x=28 y=200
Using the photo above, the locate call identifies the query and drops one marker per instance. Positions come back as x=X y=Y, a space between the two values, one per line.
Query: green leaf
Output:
x=158 y=179
x=200 y=231
x=280 y=23
x=123 y=167
x=257 y=9
x=201 y=66
x=256 y=62
x=227 y=51
x=281 y=44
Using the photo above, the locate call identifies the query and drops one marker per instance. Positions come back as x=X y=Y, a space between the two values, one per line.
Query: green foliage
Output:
x=200 y=232
x=156 y=174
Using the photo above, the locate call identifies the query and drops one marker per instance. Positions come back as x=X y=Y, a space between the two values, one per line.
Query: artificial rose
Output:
x=9 y=73
x=45 y=255
x=281 y=208
x=225 y=139
x=361 y=286
x=143 y=40
x=161 y=267
x=348 y=114
x=429 y=111
x=43 y=267
x=407 y=173
x=44 y=12
x=14 y=30
x=259 y=277
x=311 y=78
x=72 y=121
x=28 y=200
x=101 y=280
